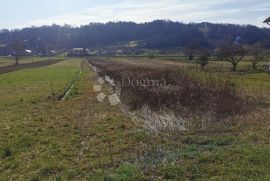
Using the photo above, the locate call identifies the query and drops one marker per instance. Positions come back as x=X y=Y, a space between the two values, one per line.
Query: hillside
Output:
x=156 y=34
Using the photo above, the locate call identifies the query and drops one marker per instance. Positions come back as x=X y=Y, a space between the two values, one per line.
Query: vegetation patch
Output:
x=169 y=88
x=81 y=139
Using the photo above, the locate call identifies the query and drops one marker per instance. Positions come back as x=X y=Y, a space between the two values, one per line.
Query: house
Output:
x=53 y=52
x=267 y=21
x=119 y=52
x=77 y=52
x=28 y=52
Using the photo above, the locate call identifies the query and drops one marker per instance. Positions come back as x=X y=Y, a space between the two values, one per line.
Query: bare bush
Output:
x=203 y=58
x=232 y=53
x=257 y=55
x=191 y=48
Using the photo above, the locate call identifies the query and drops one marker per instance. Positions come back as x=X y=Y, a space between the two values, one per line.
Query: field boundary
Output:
x=13 y=68
x=66 y=94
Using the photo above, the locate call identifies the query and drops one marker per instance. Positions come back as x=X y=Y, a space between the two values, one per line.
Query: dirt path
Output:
x=44 y=63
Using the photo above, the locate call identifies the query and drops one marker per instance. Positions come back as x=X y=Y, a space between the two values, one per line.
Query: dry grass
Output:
x=186 y=96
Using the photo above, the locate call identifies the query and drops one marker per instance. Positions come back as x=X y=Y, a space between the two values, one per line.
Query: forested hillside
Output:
x=156 y=34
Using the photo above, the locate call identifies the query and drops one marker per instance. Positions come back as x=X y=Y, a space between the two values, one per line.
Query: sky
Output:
x=25 y=13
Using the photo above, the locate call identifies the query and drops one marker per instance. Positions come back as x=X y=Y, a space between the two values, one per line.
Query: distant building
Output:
x=91 y=52
x=28 y=52
x=119 y=52
x=53 y=52
x=267 y=21
x=77 y=52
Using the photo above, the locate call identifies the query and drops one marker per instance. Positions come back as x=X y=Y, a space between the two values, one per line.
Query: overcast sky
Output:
x=22 y=13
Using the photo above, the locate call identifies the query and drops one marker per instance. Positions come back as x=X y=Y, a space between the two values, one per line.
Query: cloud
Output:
x=261 y=7
x=141 y=11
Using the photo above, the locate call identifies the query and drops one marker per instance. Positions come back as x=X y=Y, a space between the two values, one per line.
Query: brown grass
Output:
x=184 y=95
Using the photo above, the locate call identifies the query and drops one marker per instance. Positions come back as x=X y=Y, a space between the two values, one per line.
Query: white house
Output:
x=77 y=51
x=28 y=52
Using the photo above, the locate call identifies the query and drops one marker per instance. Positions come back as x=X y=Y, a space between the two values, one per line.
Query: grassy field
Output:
x=29 y=85
x=81 y=139
x=46 y=139
x=6 y=61
x=235 y=148
x=215 y=64
x=251 y=80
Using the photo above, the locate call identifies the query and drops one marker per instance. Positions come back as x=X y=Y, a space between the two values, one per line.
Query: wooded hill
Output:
x=156 y=34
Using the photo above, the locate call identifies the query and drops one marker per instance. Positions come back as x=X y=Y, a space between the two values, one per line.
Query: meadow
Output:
x=242 y=100
x=7 y=61
x=43 y=138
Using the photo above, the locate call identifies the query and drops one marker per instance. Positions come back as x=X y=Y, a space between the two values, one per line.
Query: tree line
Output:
x=234 y=54
x=155 y=35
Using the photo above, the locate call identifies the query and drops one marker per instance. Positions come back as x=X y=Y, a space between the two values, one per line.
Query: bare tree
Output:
x=18 y=50
x=191 y=48
x=257 y=55
x=203 y=58
x=232 y=53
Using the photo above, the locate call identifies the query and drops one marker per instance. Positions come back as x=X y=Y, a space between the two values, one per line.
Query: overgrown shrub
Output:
x=181 y=93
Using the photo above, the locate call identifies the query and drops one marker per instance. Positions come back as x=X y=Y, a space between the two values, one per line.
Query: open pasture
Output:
x=31 y=84
x=9 y=61
x=43 y=138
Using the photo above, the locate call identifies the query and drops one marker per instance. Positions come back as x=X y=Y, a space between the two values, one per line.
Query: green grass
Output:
x=24 y=104
x=41 y=138
x=257 y=81
x=244 y=162
x=31 y=84
x=226 y=66
x=7 y=61
x=81 y=139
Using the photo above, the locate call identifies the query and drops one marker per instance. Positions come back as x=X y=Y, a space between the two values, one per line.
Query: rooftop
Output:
x=267 y=20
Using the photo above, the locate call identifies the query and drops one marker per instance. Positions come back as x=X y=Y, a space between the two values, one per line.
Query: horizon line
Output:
x=138 y=23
